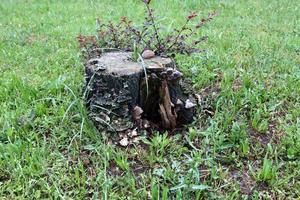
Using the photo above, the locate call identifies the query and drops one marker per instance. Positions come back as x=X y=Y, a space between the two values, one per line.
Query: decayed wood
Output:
x=168 y=116
x=118 y=97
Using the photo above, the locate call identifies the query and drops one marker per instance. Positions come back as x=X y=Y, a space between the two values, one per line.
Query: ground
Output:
x=245 y=142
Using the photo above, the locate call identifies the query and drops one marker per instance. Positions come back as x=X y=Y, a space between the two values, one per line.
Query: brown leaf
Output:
x=133 y=133
x=136 y=113
x=192 y=15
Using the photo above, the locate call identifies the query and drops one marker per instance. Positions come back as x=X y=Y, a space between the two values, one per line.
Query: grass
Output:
x=249 y=78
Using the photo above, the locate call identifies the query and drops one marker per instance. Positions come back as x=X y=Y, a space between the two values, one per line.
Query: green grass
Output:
x=249 y=76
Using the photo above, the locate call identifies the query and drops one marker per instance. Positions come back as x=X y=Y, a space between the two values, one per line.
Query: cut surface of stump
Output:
x=123 y=94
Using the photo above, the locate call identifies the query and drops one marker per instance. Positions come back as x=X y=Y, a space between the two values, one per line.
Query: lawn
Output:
x=244 y=143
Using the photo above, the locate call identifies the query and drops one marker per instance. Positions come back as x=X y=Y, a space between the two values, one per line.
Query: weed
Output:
x=158 y=146
x=268 y=172
x=121 y=161
x=126 y=36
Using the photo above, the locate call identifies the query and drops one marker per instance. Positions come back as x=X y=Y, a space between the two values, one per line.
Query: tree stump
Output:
x=122 y=94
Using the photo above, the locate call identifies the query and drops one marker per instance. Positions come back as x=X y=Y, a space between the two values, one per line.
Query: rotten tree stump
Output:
x=120 y=94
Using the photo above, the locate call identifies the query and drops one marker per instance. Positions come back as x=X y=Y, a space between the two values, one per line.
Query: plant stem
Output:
x=179 y=33
x=154 y=27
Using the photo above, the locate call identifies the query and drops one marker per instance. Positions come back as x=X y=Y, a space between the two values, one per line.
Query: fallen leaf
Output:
x=124 y=142
x=189 y=104
x=133 y=133
x=136 y=113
